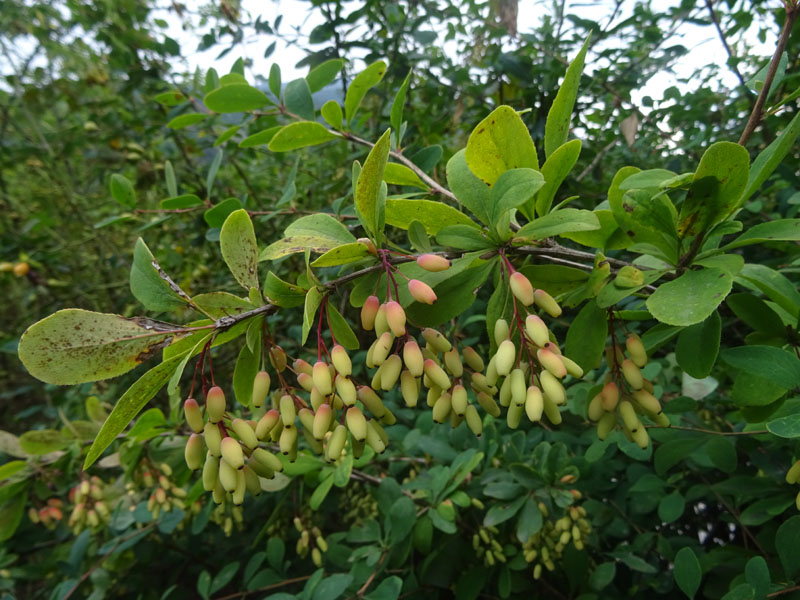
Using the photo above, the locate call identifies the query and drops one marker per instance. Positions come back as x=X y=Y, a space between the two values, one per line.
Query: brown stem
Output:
x=758 y=110
x=364 y=587
x=245 y=593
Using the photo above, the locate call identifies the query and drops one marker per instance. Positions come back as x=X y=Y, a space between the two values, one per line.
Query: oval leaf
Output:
x=237 y=241
x=690 y=298
x=236 y=97
x=431 y=214
x=300 y=135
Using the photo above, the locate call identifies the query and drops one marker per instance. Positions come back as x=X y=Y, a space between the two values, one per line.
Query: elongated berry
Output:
x=227 y=476
x=381 y=323
x=306 y=417
x=501 y=331
x=239 y=490
x=412 y=357
x=534 y=404
x=474 y=421
x=472 y=358
x=346 y=390
x=251 y=481
x=552 y=388
x=459 y=400
x=595 y=408
x=260 y=389
x=391 y=372
x=382 y=348
x=193 y=415
x=453 y=364
x=433 y=262
x=395 y=318
x=491 y=371
x=552 y=362
x=518 y=390
x=610 y=395
x=302 y=366
x=572 y=367
x=632 y=374
x=793 y=474
x=442 y=407
x=268 y=459
x=287 y=409
x=629 y=417
x=341 y=360
x=371 y=401
x=436 y=374
x=606 y=424
x=215 y=404
x=641 y=437
x=421 y=291
x=488 y=404
x=409 y=388
x=551 y=410
x=288 y=441
x=194 y=451
x=322 y=421
x=213 y=438
x=635 y=347
x=369 y=311
x=521 y=288
x=232 y=452
x=305 y=381
x=514 y=415
x=336 y=443
x=245 y=433
x=647 y=401
x=277 y=358
x=321 y=376
x=266 y=423
x=537 y=330
x=436 y=339
x=547 y=303
x=374 y=439
x=356 y=423
x=505 y=392
x=505 y=356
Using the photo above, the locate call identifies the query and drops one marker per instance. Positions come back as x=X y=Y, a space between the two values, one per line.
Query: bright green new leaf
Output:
x=470 y=191
x=342 y=255
x=718 y=183
x=358 y=88
x=297 y=98
x=512 y=189
x=687 y=571
x=122 y=190
x=608 y=237
x=282 y=293
x=499 y=143
x=332 y=113
x=323 y=74
x=556 y=129
x=312 y=302
x=433 y=215
x=780 y=366
x=402 y=175
x=691 y=298
x=698 y=346
x=184 y=201
x=186 y=120
x=236 y=97
x=10 y=469
x=248 y=364
x=566 y=220
x=368 y=185
x=341 y=329
x=260 y=138
x=129 y=405
x=321 y=492
x=237 y=241
x=75 y=346
x=554 y=170
x=463 y=237
x=319 y=232
x=42 y=441
x=300 y=135
x=396 y=114
x=586 y=336
x=149 y=284
x=640 y=180
x=226 y=135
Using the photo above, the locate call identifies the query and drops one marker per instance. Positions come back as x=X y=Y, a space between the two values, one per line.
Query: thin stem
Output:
x=710 y=431
x=245 y=593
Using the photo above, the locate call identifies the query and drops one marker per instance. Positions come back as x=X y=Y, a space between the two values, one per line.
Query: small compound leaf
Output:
x=237 y=241
x=75 y=346
x=691 y=298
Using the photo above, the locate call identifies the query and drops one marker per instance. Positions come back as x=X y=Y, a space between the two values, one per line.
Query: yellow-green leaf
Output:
x=237 y=241
x=300 y=135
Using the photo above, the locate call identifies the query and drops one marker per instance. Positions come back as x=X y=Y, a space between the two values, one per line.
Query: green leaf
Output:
x=757 y=574
x=320 y=232
x=722 y=453
x=313 y=300
x=777 y=365
x=786 y=545
x=769 y=159
x=170 y=98
x=402 y=515
x=324 y=74
x=226 y=135
x=470 y=191
x=282 y=293
x=554 y=170
x=11 y=512
x=122 y=190
x=756 y=313
x=342 y=255
x=388 y=589
x=368 y=185
x=358 y=88
x=212 y=173
x=237 y=97
x=11 y=468
x=332 y=587
x=42 y=441
x=463 y=237
x=566 y=220
x=502 y=512
x=648 y=219
x=186 y=120
x=512 y=189
x=275 y=80
x=778 y=230
x=332 y=113
x=499 y=143
x=774 y=285
x=75 y=346
x=718 y=182
x=687 y=571
x=300 y=135
x=418 y=237
x=750 y=389
x=341 y=329
x=698 y=346
x=265 y=136
x=603 y=575
x=691 y=298
x=184 y=201
x=224 y=577
x=248 y=364
x=433 y=215
x=397 y=174
x=785 y=427
x=555 y=279
x=222 y=304
x=148 y=285
x=396 y=113
x=297 y=98
x=671 y=507
x=638 y=180
x=612 y=292
x=129 y=405
x=216 y=215
x=586 y=336
x=321 y=492
x=237 y=242
x=530 y=521
x=556 y=129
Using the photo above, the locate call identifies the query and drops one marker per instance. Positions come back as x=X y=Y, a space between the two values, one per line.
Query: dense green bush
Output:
x=259 y=231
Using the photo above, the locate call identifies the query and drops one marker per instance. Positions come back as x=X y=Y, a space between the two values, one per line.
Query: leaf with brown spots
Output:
x=499 y=143
x=237 y=240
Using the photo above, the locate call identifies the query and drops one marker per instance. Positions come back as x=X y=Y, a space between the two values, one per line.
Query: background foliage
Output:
x=89 y=93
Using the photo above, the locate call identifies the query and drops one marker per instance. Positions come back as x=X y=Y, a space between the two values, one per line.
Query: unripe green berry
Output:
x=193 y=415
x=215 y=404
